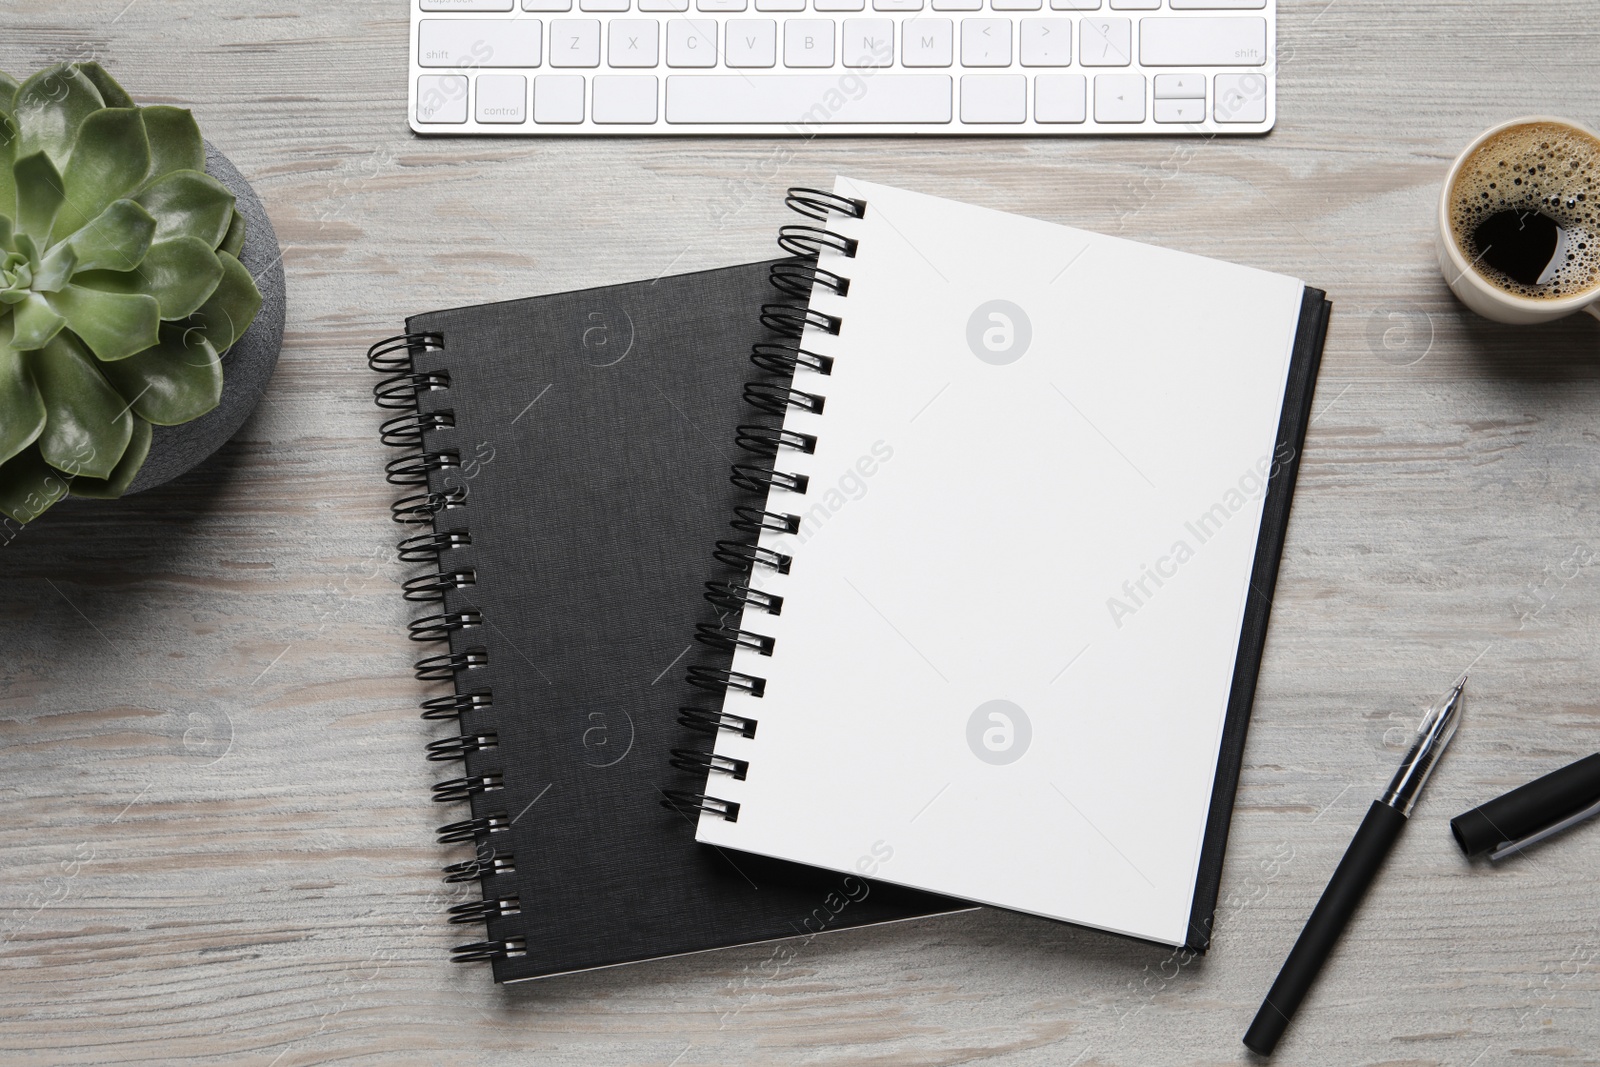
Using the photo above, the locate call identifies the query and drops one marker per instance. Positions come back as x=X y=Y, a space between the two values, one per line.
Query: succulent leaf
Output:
x=8 y=92
x=118 y=239
x=230 y=310
x=181 y=274
x=178 y=380
x=88 y=425
x=188 y=203
x=233 y=244
x=8 y=156
x=39 y=195
x=56 y=269
x=50 y=108
x=175 y=141
x=113 y=325
x=34 y=323
x=109 y=162
x=113 y=94
x=29 y=485
x=6 y=232
x=22 y=411
x=132 y=459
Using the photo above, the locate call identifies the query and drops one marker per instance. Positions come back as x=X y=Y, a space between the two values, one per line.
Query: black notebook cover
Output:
x=1292 y=423
x=581 y=443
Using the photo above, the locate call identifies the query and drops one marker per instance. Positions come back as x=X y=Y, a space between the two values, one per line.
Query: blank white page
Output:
x=1007 y=638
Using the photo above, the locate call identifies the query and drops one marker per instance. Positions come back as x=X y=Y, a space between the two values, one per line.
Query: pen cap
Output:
x=1529 y=808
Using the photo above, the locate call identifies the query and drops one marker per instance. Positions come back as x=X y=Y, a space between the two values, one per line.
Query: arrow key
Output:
x=1119 y=97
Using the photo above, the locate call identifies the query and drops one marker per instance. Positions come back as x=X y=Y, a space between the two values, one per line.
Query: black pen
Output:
x=1384 y=821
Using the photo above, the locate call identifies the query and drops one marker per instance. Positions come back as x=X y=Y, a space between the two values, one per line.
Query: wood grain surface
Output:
x=214 y=842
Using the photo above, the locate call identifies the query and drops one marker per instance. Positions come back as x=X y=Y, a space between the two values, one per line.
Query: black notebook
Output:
x=565 y=469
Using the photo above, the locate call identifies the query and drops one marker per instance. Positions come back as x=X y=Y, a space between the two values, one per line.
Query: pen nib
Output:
x=1438 y=727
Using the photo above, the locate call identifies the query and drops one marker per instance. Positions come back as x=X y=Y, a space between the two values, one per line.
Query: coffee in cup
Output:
x=1520 y=215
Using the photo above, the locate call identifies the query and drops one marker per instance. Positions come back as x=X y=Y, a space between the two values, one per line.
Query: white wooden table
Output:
x=214 y=846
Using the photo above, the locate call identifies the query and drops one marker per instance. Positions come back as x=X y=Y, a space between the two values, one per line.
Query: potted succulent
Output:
x=121 y=285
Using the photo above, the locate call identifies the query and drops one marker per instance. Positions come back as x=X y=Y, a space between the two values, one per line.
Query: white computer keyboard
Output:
x=807 y=67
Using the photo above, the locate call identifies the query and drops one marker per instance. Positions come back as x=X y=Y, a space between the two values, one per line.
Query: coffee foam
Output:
x=1544 y=167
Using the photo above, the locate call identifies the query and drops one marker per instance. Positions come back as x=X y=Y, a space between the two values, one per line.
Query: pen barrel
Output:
x=1339 y=902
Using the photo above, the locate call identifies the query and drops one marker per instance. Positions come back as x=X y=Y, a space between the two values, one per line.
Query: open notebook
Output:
x=1001 y=637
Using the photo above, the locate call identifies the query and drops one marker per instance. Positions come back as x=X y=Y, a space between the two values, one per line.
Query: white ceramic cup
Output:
x=1477 y=292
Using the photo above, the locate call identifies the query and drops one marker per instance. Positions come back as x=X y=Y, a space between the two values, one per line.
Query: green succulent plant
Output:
x=120 y=284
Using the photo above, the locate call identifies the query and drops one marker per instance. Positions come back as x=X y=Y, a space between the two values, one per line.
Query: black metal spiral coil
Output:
x=406 y=383
x=405 y=431
x=691 y=804
x=474 y=869
x=456 y=704
x=428 y=548
x=478 y=911
x=440 y=627
x=731 y=638
x=734 y=597
x=786 y=359
x=426 y=588
x=710 y=722
x=487 y=951
x=747 y=557
x=797 y=278
x=452 y=790
x=469 y=830
x=693 y=759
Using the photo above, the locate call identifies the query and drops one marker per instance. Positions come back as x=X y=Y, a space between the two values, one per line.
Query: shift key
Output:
x=1203 y=42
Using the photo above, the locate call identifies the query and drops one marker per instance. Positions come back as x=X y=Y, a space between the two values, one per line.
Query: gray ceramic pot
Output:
x=175 y=450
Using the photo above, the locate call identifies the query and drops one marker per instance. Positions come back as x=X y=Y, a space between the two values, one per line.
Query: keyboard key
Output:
x=441 y=98
x=1135 y=5
x=958 y=5
x=926 y=42
x=897 y=5
x=473 y=43
x=985 y=43
x=626 y=98
x=1015 y=5
x=558 y=98
x=1203 y=42
x=838 y=5
x=806 y=100
x=720 y=5
x=867 y=42
x=780 y=5
x=502 y=98
x=1217 y=5
x=692 y=43
x=1180 y=110
x=466 y=5
x=994 y=97
x=1241 y=98
x=1075 y=5
x=1119 y=97
x=1058 y=98
x=574 y=43
x=1180 y=86
x=547 y=5
x=634 y=42
x=1045 y=42
x=602 y=5
x=663 y=5
x=1105 y=42
x=751 y=43
x=806 y=43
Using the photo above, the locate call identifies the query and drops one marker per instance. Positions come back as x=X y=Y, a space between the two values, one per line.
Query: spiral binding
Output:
x=423 y=465
x=797 y=279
